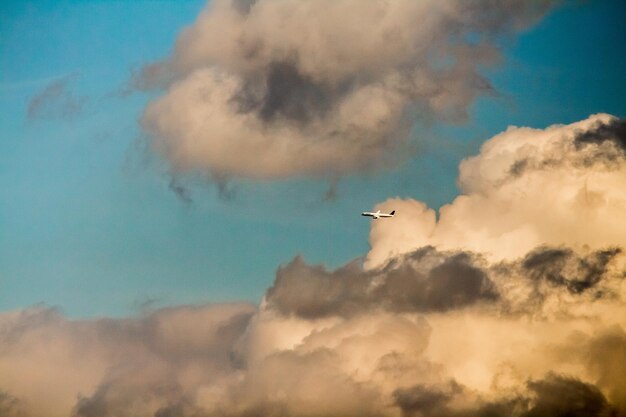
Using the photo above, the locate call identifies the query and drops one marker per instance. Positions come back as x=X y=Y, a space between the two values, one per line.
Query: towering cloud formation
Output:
x=273 y=89
x=446 y=323
x=560 y=186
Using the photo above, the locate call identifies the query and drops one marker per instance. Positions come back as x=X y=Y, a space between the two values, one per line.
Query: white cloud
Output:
x=527 y=187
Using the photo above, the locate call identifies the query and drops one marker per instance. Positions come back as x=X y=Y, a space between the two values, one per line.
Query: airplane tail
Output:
x=393 y=212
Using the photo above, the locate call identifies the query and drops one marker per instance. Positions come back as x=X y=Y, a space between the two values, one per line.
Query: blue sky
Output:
x=87 y=221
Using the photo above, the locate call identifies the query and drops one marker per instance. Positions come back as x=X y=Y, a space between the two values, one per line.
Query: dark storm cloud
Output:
x=57 y=101
x=426 y=280
x=563 y=267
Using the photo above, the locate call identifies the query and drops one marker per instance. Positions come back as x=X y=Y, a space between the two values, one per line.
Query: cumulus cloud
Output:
x=57 y=101
x=119 y=367
x=444 y=324
x=274 y=89
x=563 y=185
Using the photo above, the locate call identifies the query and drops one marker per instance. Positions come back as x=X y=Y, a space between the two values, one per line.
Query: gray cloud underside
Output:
x=428 y=280
x=425 y=280
x=554 y=396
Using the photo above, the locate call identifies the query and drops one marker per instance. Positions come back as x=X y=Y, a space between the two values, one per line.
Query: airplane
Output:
x=378 y=214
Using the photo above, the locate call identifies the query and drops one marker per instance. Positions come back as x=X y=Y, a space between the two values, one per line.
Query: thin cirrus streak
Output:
x=442 y=323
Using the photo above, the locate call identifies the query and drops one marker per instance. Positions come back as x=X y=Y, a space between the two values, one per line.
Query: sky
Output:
x=180 y=194
x=89 y=223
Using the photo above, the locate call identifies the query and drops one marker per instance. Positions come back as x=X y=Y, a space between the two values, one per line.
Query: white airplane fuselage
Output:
x=377 y=214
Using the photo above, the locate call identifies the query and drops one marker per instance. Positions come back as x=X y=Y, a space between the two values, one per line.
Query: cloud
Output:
x=57 y=101
x=422 y=400
x=606 y=358
x=553 y=396
x=9 y=406
x=282 y=94
x=181 y=191
x=425 y=280
x=113 y=366
x=438 y=326
x=526 y=188
x=562 y=267
x=379 y=353
x=613 y=131
x=559 y=396
x=428 y=280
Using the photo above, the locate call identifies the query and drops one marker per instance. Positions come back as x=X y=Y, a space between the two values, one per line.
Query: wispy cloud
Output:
x=57 y=101
x=180 y=191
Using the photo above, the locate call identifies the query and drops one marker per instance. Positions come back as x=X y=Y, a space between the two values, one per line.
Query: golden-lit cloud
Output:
x=563 y=185
x=440 y=321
